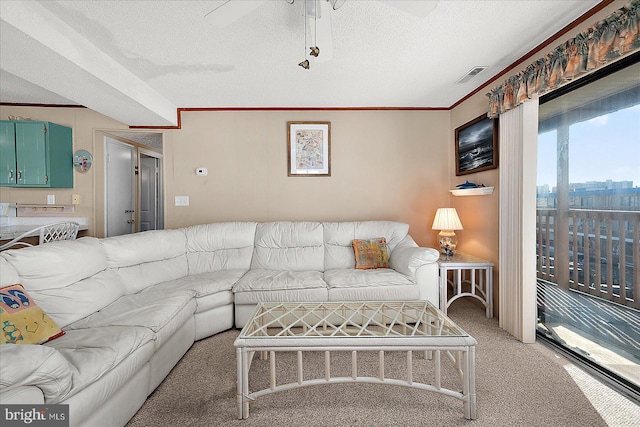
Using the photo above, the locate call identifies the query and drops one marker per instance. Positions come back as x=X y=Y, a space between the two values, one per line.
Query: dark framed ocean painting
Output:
x=477 y=145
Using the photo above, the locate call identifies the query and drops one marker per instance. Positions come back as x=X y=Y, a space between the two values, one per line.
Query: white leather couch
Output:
x=132 y=305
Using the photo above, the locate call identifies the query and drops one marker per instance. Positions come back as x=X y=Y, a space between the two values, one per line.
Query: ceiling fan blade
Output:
x=229 y=11
x=324 y=35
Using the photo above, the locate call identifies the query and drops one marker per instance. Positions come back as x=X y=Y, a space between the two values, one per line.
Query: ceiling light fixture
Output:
x=312 y=8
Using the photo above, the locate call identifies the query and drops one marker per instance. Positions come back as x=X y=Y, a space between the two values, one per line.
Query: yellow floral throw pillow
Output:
x=22 y=321
x=371 y=253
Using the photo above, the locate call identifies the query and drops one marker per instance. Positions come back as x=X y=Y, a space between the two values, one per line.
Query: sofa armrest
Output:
x=34 y=365
x=420 y=265
x=21 y=395
x=427 y=279
x=407 y=260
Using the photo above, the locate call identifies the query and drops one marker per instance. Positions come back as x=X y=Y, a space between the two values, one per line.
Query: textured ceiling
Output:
x=137 y=61
x=150 y=139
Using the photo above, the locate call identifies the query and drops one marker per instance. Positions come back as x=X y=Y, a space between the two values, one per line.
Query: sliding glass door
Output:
x=588 y=220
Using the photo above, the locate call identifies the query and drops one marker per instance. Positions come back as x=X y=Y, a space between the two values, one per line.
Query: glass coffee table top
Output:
x=352 y=319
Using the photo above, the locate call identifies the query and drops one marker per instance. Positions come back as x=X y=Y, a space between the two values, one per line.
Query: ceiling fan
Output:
x=317 y=14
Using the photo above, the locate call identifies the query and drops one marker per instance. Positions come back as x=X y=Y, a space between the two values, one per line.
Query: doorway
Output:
x=133 y=183
x=588 y=222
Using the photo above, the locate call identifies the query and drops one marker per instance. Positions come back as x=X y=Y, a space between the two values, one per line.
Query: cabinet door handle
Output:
x=19 y=175
x=10 y=173
x=131 y=221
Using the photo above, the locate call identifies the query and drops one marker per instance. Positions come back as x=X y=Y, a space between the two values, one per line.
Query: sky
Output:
x=605 y=147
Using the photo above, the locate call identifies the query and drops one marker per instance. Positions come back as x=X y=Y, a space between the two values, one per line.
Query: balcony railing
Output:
x=597 y=254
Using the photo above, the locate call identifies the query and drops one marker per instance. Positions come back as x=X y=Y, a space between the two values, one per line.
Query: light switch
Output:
x=182 y=200
x=75 y=199
x=51 y=199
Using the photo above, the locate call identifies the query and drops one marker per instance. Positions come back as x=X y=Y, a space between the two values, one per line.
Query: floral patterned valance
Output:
x=613 y=37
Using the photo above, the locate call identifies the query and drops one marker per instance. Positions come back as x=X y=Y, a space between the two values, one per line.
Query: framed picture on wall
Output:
x=477 y=145
x=309 y=148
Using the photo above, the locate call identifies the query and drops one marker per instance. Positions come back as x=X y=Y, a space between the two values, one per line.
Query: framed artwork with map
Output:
x=309 y=149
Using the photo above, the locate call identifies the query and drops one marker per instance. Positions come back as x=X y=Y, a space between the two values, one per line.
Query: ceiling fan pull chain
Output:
x=305 y=64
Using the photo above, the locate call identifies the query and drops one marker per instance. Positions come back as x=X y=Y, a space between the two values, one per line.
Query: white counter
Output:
x=19 y=225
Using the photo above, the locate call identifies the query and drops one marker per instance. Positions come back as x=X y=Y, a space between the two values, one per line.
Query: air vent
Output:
x=471 y=74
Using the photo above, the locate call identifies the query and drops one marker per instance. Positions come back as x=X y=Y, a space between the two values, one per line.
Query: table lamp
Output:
x=446 y=221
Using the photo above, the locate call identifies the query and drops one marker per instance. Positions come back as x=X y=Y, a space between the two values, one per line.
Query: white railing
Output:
x=600 y=257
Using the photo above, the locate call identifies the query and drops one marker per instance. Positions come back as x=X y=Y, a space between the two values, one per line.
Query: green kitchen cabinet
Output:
x=35 y=154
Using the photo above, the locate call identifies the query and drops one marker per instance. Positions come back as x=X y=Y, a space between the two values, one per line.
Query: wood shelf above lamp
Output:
x=479 y=191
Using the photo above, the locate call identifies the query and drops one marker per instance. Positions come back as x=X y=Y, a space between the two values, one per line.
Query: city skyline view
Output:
x=600 y=149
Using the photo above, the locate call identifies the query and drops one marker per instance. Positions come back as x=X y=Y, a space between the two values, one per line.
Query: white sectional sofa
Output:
x=132 y=305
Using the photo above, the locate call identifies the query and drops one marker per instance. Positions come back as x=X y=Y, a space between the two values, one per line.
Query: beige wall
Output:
x=384 y=165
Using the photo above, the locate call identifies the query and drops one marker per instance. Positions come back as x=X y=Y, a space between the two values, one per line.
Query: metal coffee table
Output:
x=405 y=326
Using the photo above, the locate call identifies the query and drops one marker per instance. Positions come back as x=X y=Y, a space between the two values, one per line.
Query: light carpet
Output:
x=516 y=384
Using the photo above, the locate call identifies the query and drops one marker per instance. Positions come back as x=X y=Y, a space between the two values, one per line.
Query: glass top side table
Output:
x=466 y=276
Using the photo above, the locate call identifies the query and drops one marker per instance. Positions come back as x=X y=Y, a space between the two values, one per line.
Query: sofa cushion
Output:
x=212 y=289
x=145 y=259
x=162 y=312
x=93 y=353
x=375 y=293
x=219 y=246
x=35 y=365
x=22 y=321
x=338 y=238
x=382 y=284
x=202 y=284
x=67 y=279
x=292 y=246
x=209 y=302
x=371 y=253
x=275 y=285
x=354 y=278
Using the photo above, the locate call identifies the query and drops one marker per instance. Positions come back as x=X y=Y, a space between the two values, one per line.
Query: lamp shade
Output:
x=446 y=219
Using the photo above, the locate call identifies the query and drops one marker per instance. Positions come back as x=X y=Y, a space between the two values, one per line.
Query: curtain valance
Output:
x=615 y=36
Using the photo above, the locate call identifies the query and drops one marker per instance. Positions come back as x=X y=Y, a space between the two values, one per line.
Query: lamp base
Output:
x=448 y=242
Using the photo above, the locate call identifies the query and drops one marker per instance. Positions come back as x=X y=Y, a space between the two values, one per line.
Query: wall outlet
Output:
x=51 y=199
x=182 y=200
x=75 y=199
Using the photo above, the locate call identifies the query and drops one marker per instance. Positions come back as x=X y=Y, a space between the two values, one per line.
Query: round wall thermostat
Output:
x=82 y=161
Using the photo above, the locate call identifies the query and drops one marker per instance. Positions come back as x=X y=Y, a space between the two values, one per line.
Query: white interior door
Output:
x=148 y=203
x=120 y=192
